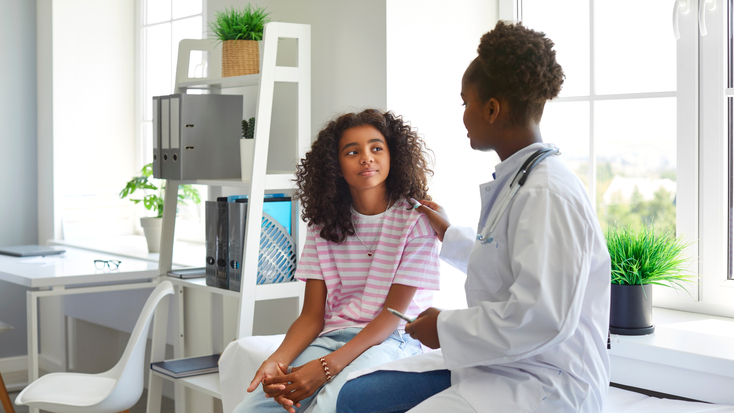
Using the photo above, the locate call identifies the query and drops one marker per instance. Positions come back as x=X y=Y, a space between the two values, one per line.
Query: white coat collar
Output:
x=510 y=166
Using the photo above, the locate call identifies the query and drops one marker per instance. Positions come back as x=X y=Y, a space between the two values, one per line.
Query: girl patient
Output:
x=366 y=250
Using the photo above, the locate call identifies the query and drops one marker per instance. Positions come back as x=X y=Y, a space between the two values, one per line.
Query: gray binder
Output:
x=216 y=244
x=201 y=136
x=165 y=118
x=236 y=215
x=156 y=137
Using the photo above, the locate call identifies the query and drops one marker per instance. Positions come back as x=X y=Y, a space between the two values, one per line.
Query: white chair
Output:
x=115 y=390
x=4 y=398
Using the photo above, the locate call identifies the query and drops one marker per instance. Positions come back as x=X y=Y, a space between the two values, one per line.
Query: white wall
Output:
x=18 y=223
x=424 y=71
x=347 y=51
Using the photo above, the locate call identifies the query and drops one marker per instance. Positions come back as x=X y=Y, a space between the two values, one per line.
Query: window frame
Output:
x=688 y=202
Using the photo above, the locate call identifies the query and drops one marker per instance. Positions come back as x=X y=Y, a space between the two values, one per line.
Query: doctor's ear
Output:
x=491 y=110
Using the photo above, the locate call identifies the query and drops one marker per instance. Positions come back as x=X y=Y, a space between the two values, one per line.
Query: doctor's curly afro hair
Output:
x=324 y=193
x=519 y=65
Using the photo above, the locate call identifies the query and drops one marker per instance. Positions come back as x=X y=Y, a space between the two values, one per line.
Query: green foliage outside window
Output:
x=636 y=212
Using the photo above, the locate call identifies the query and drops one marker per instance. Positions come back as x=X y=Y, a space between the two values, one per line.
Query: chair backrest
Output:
x=129 y=371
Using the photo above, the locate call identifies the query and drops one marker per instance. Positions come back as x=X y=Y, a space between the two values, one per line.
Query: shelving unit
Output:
x=255 y=188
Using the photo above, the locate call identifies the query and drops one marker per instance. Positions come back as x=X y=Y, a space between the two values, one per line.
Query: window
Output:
x=715 y=178
x=614 y=120
x=626 y=120
x=163 y=23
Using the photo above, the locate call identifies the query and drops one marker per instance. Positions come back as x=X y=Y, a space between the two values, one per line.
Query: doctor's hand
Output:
x=425 y=328
x=436 y=216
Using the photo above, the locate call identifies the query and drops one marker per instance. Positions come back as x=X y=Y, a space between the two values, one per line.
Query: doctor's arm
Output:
x=549 y=245
x=457 y=241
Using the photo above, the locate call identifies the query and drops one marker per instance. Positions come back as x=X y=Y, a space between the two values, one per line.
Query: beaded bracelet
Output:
x=326 y=369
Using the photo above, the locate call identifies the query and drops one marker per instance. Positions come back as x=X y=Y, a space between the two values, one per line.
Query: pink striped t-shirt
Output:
x=357 y=285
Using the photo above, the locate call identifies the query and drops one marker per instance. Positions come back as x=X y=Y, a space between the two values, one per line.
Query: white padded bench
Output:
x=241 y=359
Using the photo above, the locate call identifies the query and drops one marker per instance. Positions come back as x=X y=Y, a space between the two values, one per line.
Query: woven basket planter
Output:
x=240 y=57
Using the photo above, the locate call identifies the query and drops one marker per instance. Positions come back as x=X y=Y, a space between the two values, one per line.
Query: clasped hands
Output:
x=288 y=389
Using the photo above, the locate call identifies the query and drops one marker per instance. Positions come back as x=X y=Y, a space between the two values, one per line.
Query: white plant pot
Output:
x=152 y=230
x=247 y=150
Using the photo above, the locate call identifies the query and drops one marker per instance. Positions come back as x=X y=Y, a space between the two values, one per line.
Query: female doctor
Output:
x=534 y=335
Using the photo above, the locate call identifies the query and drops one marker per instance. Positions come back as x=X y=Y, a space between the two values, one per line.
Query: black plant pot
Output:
x=631 y=310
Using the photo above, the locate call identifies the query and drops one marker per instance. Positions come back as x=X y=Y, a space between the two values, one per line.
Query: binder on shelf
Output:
x=225 y=241
x=277 y=206
x=236 y=213
x=216 y=243
x=174 y=151
x=192 y=366
x=156 y=137
x=200 y=136
x=165 y=150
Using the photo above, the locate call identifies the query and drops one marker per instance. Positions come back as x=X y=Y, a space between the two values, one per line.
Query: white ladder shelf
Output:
x=255 y=188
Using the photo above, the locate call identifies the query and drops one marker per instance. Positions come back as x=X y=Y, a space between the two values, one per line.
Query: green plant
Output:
x=645 y=257
x=244 y=24
x=248 y=128
x=154 y=201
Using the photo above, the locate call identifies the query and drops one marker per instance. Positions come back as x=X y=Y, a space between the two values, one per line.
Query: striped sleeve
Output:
x=309 y=266
x=419 y=264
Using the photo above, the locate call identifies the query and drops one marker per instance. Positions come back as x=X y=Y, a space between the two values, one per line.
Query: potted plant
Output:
x=240 y=31
x=640 y=259
x=247 y=148
x=153 y=201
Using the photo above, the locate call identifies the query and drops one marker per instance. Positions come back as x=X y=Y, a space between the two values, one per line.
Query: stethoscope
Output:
x=522 y=175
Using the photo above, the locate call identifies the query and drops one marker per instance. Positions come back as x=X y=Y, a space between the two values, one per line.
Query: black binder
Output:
x=236 y=215
x=216 y=244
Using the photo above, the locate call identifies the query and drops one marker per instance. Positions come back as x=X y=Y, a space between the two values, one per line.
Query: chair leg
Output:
x=4 y=398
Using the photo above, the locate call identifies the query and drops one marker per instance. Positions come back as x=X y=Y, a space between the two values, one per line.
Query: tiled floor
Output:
x=166 y=405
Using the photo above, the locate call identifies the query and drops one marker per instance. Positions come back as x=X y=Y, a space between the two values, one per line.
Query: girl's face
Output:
x=477 y=126
x=364 y=158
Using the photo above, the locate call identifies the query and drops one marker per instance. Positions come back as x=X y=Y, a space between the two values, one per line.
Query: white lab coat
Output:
x=534 y=336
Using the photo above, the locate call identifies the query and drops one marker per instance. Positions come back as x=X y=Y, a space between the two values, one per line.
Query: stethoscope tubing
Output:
x=519 y=180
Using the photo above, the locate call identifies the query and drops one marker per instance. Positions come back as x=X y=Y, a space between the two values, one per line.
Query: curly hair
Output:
x=323 y=191
x=519 y=65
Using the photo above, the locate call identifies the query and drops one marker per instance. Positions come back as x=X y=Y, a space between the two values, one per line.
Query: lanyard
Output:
x=519 y=180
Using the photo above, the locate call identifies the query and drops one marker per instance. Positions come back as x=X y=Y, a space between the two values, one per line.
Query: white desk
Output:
x=72 y=272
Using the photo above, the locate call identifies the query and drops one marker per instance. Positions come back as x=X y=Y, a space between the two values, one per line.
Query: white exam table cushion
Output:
x=239 y=363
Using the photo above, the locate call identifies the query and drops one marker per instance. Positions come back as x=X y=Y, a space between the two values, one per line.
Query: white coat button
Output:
x=486 y=189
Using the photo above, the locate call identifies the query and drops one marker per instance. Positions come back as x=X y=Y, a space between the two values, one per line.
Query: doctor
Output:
x=534 y=336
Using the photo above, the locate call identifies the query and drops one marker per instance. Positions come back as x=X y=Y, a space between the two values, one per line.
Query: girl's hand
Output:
x=436 y=215
x=425 y=328
x=301 y=383
x=269 y=369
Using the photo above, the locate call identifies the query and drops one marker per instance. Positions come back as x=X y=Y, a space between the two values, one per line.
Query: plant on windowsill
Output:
x=153 y=201
x=640 y=259
x=240 y=30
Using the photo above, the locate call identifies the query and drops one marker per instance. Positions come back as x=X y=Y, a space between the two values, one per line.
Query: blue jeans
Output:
x=391 y=391
x=398 y=345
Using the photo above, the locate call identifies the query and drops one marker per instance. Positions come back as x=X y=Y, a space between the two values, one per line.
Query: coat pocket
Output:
x=483 y=277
